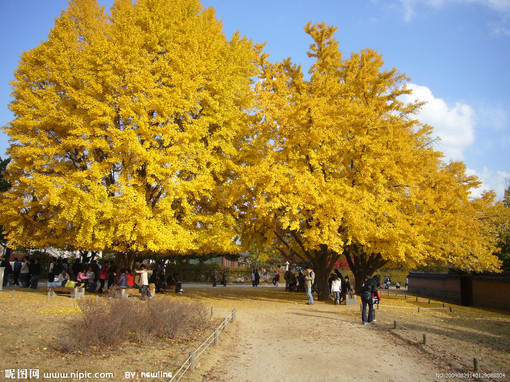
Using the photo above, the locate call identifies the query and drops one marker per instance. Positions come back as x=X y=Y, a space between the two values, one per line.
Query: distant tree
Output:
x=4 y=186
x=125 y=128
x=504 y=234
x=260 y=255
x=336 y=164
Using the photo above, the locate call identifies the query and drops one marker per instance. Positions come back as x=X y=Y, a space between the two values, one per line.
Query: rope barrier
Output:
x=444 y=352
x=194 y=355
x=414 y=307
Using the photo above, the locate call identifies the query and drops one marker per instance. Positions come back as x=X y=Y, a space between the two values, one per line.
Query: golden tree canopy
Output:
x=338 y=164
x=125 y=128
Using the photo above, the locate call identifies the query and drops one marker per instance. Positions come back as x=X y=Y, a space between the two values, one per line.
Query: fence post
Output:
x=394 y=324
x=475 y=364
x=429 y=300
x=443 y=304
x=418 y=309
x=416 y=299
x=233 y=315
x=405 y=297
x=192 y=360
x=451 y=309
x=424 y=339
x=12 y=295
x=216 y=336
x=49 y=295
x=212 y=310
x=97 y=298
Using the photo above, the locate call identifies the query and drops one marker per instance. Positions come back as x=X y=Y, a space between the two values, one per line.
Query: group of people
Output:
x=340 y=286
x=293 y=282
x=93 y=276
x=24 y=273
x=305 y=282
x=223 y=278
x=108 y=277
x=104 y=278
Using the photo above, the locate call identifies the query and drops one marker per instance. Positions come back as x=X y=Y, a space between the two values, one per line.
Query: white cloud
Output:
x=492 y=180
x=502 y=7
x=454 y=125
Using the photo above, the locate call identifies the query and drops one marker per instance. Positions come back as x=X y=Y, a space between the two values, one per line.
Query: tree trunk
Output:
x=84 y=257
x=362 y=265
x=93 y=256
x=7 y=253
x=125 y=260
x=323 y=263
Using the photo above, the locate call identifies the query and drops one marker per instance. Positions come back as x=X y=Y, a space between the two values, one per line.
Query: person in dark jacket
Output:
x=7 y=270
x=347 y=288
x=368 y=289
x=224 y=278
x=214 y=277
x=174 y=280
x=255 y=278
x=76 y=268
x=16 y=271
x=35 y=271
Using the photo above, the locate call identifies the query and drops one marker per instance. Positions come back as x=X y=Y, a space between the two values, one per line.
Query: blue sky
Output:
x=456 y=52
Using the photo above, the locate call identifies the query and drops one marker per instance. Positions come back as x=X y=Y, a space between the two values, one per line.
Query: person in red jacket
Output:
x=130 y=279
x=103 y=276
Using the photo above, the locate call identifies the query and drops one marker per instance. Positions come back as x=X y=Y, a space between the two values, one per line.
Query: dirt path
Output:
x=282 y=341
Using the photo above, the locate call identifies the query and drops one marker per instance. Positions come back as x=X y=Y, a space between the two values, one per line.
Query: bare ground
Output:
x=275 y=337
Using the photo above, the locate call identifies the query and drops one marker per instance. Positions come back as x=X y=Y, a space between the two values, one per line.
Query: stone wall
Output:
x=443 y=286
x=483 y=290
x=491 y=292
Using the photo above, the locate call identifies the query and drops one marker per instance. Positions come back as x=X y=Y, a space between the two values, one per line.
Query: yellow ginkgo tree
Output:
x=337 y=165
x=125 y=128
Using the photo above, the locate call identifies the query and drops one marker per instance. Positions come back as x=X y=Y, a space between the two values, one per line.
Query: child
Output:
x=336 y=288
x=82 y=279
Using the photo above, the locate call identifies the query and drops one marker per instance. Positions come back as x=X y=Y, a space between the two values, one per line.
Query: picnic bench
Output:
x=126 y=292
x=131 y=291
x=76 y=292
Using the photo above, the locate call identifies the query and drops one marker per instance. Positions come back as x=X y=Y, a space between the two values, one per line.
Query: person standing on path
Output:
x=144 y=282
x=7 y=270
x=368 y=289
x=255 y=278
x=336 y=288
x=35 y=272
x=24 y=274
x=214 y=277
x=276 y=278
x=224 y=278
x=309 y=280
x=16 y=271
x=103 y=276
